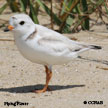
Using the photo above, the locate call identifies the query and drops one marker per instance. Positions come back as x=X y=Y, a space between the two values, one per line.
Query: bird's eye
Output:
x=22 y=23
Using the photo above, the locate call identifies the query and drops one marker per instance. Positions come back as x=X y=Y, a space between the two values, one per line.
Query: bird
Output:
x=44 y=46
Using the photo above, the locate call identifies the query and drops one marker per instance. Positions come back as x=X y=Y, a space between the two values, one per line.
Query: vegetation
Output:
x=73 y=15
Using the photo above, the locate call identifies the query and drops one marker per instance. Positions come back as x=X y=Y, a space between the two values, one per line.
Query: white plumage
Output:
x=42 y=45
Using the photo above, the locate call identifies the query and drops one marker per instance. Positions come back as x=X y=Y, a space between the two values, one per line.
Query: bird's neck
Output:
x=23 y=35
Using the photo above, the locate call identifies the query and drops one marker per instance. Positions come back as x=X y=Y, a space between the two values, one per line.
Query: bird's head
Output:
x=20 y=24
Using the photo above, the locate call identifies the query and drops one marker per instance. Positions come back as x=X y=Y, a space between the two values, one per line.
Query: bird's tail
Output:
x=88 y=47
x=95 y=47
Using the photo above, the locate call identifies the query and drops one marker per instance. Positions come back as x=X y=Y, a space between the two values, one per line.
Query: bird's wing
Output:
x=58 y=43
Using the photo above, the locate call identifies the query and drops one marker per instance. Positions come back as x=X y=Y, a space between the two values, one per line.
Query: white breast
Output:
x=31 y=50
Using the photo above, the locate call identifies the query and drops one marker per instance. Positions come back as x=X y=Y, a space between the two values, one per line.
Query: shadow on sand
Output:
x=28 y=89
x=94 y=60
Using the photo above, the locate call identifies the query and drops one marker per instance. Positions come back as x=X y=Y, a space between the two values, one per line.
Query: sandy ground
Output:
x=83 y=79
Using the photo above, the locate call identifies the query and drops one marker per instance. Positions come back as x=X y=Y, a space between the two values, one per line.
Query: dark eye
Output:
x=22 y=23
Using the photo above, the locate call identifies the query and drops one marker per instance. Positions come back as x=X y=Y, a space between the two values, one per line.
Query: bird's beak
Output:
x=9 y=28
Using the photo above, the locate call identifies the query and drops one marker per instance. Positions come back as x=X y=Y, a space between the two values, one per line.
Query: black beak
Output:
x=6 y=29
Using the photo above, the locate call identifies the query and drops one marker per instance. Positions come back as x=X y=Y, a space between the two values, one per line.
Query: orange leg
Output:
x=48 y=77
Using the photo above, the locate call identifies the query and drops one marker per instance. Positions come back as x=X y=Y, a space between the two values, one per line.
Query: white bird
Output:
x=44 y=46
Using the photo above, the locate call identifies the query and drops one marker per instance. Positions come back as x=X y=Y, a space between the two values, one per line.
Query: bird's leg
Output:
x=48 y=77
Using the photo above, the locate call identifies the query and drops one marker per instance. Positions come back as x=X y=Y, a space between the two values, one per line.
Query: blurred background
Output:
x=64 y=16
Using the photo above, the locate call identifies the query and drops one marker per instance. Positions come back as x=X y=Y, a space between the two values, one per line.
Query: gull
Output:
x=44 y=46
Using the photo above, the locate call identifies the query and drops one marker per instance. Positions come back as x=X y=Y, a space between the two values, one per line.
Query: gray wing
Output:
x=56 y=42
x=58 y=45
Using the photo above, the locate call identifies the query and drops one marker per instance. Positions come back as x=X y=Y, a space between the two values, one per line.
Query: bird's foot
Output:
x=42 y=91
x=39 y=91
x=49 y=89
